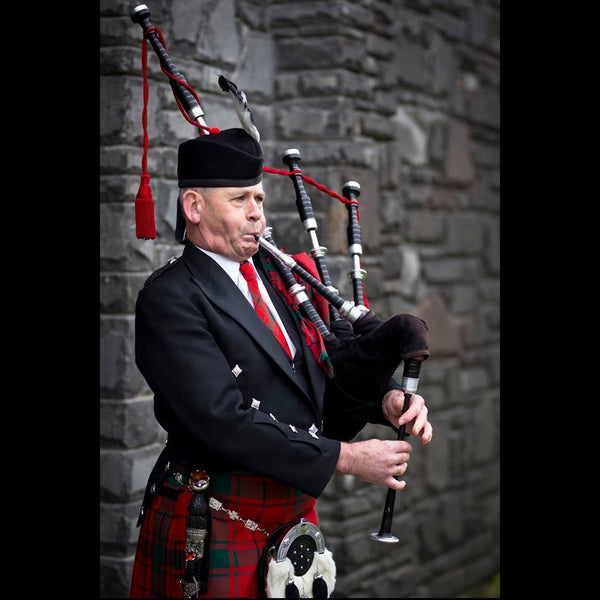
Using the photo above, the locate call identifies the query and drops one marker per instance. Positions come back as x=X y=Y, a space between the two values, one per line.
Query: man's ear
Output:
x=191 y=205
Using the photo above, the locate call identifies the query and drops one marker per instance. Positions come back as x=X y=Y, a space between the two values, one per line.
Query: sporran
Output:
x=296 y=563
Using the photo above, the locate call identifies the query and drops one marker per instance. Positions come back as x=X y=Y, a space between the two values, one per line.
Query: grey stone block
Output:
x=124 y=473
x=129 y=423
x=118 y=291
x=119 y=377
x=118 y=530
x=115 y=576
x=465 y=234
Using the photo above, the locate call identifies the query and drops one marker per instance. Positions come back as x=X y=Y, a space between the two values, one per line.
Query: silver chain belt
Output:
x=216 y=505
x=248 y=523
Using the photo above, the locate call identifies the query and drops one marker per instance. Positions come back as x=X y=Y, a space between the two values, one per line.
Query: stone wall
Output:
x=403 y=97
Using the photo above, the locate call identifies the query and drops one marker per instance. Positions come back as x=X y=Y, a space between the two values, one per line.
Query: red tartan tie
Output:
x=247 y=270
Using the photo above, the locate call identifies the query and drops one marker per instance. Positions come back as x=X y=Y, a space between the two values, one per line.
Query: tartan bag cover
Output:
x=235 y=551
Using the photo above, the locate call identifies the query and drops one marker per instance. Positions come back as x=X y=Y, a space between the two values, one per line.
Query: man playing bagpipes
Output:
x=259 y=410
x=240 y=410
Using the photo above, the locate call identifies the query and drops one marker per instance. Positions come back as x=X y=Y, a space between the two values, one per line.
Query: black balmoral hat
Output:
x=230 y=158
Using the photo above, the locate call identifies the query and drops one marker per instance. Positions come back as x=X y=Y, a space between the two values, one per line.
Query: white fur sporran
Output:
x=300 y=566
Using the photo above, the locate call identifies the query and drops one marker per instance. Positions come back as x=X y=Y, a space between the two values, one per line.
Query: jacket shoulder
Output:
x=162 y=270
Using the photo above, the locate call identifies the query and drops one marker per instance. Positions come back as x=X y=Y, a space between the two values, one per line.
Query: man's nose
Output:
x=255 y=210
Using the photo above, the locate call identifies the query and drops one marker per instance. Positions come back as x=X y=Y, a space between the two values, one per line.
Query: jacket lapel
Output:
x=221 y=291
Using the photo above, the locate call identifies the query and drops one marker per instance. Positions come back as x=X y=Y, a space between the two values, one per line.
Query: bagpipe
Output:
x=364 y=350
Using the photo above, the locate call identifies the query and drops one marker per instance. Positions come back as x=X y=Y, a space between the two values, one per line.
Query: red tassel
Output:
x=144 y=204
x=144 y=211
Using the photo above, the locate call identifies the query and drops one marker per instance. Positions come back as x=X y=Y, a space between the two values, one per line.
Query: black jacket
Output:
x=224 y=389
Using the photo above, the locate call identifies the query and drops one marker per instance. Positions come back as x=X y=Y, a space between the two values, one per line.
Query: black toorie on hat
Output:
x=230 y=158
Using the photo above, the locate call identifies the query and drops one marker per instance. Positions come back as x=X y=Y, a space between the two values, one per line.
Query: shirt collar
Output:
x=230 y=266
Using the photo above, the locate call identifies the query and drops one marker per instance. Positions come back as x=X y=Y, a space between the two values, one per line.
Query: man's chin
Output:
x=249 y=251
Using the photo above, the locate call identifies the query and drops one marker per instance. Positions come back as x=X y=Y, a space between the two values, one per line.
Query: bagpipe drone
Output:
x=364 y=350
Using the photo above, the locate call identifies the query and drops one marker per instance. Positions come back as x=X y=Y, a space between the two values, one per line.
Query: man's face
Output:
x=229 y=219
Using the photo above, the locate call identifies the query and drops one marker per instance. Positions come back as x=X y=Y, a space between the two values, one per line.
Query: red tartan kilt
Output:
x=235 y=551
